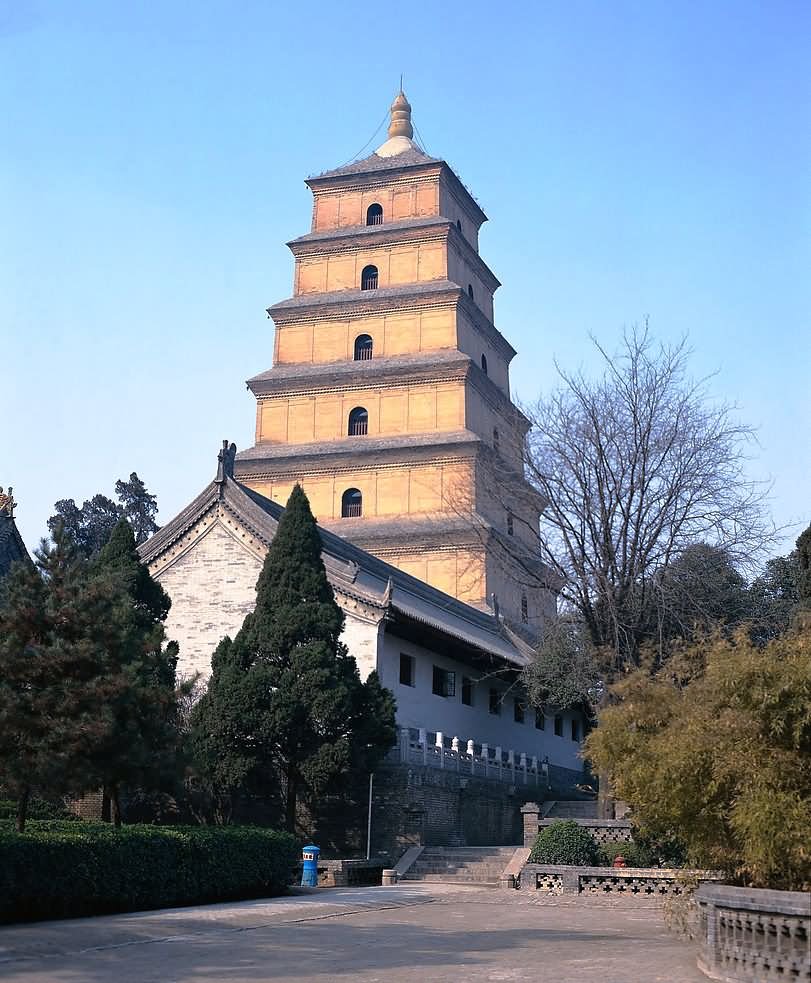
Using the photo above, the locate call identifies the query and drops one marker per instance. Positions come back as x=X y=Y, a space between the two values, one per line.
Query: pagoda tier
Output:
x=389 y=397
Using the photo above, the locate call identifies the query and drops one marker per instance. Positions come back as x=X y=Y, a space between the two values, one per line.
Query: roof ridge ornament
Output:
x=225 y=462
x=7 y=502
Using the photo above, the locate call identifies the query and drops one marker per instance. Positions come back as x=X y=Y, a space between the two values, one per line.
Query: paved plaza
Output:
x=415 y=933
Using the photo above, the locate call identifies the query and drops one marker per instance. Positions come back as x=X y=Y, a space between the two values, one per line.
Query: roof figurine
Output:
x=7 y=502
x=225 y=462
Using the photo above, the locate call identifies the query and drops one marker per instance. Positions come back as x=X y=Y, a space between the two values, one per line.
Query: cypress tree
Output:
x=136 y=673
x=24 y=679
x=285 y=703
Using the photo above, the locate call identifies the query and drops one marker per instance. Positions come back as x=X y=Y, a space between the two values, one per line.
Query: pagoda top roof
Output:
x=398 y=152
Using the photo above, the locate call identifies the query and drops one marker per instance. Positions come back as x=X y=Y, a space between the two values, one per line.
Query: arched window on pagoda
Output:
x=351 y=503
x=484 y=364
x=358 y=422
x=470 y=290
x=374 y=214
x=368 y=278
x=363 y=347
x=524 y=609
x=496 y=444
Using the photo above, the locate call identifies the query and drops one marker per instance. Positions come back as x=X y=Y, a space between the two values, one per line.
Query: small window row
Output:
x=443 y=683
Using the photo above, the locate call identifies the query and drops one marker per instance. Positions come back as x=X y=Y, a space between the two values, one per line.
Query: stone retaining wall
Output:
x=752 y=935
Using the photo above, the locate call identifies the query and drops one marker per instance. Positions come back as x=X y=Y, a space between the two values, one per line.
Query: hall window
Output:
x=540 y=720
x=518 y=711
x=444 y=682
x=484 y=364
x=368 y=278
x=558 y=726
x=407 y=667
x=363 y=347
x=524 y=609
x=358 y=422
x=510 y=524
x=351 y=503
x=575 y=730
x=467 y=691
x=495 y=702
x=374 y=214
x=470 y=290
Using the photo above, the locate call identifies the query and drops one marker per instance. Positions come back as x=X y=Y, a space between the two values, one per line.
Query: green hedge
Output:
x=58 y=869
x=37 y=809
x=565 y=842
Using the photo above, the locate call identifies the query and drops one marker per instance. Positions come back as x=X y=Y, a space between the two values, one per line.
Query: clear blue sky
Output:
x=634 y=158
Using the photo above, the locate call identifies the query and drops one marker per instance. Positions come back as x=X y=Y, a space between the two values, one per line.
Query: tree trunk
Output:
x=290 y=804
x=22 y=808
x=111 y=794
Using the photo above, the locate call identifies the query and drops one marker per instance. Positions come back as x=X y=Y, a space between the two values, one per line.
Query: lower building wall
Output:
x=419 y=707
x=414 y=806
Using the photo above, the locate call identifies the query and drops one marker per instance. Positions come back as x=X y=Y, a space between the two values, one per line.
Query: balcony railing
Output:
x=358 y=428
x=417 y=746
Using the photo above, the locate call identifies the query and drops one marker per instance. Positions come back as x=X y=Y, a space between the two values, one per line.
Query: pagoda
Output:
x=389 y=396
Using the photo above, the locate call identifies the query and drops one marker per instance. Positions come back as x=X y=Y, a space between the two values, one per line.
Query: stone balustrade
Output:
x=602 y=830
x=753 y=935
x=622 y=884
x=418 y=746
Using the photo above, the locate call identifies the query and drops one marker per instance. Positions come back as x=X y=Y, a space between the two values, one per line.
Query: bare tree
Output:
x=635 y=466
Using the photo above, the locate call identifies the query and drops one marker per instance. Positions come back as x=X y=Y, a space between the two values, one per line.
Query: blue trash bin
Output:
x=309 y=867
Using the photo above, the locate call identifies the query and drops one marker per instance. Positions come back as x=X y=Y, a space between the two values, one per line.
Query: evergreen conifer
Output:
x=285 y=704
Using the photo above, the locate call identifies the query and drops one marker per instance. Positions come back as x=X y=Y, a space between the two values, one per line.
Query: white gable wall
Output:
x=212 y=586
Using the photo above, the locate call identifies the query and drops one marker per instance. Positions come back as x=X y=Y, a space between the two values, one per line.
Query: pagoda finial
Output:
x=400 y=125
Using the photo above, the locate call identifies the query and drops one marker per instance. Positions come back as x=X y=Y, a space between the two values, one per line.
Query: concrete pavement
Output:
x=432 y=934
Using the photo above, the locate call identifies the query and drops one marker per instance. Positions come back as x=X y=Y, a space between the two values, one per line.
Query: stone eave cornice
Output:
x=441 y=366
x=397 y=233
x=269 y=460
x=320 y=306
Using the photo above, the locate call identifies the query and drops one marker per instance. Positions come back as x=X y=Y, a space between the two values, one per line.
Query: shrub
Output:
x=635 y=854
x=565 y=843
x=58 y=869
x=37 y=809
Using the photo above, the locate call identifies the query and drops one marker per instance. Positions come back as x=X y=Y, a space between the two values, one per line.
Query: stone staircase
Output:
x=579 y=809
x=481 y=865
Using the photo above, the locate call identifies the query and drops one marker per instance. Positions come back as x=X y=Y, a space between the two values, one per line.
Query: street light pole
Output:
x=369 y=819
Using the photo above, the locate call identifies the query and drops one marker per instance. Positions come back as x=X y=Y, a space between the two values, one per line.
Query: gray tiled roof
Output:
x=409 y=158
x=12 y=547
x=351 y=569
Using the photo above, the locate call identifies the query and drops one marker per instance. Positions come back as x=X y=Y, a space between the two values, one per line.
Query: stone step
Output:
x=471 y=865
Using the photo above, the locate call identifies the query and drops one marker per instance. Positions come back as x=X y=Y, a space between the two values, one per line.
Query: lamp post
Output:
x=369 y=818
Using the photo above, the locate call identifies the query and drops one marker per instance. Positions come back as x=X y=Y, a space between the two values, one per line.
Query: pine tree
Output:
x=139 y=506
x=285 y=703
x=24 y=730
x=137 y=673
